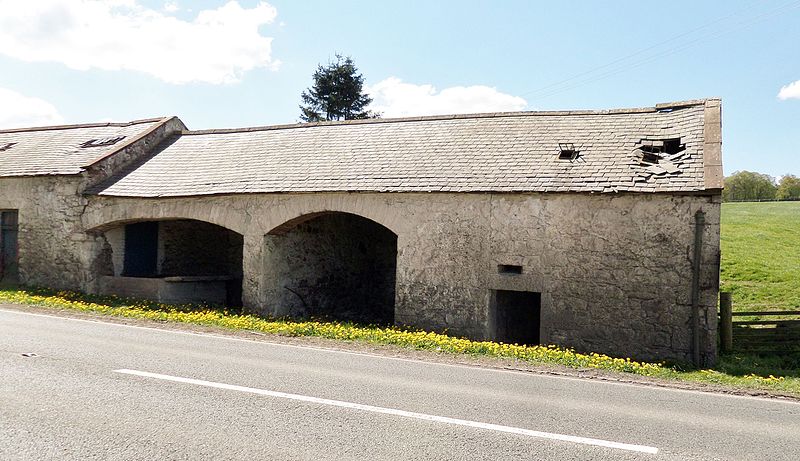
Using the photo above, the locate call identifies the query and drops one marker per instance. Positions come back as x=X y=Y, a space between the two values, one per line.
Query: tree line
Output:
x=748 y=185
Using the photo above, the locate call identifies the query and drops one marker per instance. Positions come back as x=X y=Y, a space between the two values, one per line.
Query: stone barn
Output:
x=597 y=230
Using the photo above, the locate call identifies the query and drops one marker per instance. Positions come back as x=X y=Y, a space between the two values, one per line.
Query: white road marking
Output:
x=403 y=359
x=396 y=412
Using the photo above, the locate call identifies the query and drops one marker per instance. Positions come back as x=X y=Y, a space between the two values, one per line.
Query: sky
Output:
x=222 y=64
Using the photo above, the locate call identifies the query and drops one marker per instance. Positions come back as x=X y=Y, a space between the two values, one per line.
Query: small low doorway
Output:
x=517 y=316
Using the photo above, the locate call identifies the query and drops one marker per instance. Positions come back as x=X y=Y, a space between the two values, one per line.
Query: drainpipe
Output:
x=699 y=224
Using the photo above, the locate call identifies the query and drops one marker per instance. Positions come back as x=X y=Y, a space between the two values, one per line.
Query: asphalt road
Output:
x=98 y=390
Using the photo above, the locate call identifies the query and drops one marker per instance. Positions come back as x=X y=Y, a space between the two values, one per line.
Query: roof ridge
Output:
x=479 y=115
x=82 y=125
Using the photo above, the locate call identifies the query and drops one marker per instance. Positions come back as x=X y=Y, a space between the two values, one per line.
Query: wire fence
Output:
x=762 y=200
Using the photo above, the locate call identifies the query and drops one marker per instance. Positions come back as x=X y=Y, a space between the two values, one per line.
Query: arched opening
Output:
x=331 y=265
x=177 y=260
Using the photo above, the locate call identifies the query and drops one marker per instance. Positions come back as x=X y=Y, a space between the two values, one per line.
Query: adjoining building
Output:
x=576 y=228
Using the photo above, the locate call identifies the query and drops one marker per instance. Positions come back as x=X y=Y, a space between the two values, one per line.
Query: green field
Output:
x=761 y=255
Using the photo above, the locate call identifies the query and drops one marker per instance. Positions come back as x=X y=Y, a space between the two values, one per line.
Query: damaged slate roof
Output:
x=611 y=151
x=66 y=149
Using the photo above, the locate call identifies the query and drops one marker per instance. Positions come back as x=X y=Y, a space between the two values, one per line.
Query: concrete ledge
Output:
x=212 y=291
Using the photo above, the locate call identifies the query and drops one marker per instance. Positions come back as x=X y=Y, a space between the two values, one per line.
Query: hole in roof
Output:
x=673 y=146
x=655 y=149
x=99 y=142
x=4 y=146
x=566 y=151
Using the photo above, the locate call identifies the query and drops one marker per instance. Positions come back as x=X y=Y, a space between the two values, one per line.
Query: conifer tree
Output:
x=337 y=93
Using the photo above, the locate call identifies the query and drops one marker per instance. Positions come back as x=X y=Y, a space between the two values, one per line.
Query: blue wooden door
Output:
x=141 y=249
x=9 y=268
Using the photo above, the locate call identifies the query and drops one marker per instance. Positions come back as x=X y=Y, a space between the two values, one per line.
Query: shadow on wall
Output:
x=335 y=265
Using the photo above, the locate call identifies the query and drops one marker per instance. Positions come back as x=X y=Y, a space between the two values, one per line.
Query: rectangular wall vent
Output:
x=509 y=269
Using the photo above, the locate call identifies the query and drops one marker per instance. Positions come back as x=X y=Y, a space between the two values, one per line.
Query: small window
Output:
x=567 y=151
x=4 y=146
x=509 y=269
x=99 y=142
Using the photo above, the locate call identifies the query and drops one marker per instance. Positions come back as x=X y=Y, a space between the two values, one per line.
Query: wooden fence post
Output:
x=725 y=322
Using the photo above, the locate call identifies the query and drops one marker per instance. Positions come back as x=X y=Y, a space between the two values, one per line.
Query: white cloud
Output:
x=217 y=46
x=394 y=98
x=17 y=110
x=791 y=90
x=171 y=7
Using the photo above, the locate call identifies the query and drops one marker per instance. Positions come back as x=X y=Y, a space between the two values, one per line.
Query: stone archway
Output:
x=332 y=265
x=171 y=260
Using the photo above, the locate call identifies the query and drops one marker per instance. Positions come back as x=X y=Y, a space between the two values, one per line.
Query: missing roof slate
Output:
x=653 y=150
x=100 y=142
x=657 y=158
x=567 y=151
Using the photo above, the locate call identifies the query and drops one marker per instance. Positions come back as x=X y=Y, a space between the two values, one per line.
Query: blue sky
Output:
x=224 y=64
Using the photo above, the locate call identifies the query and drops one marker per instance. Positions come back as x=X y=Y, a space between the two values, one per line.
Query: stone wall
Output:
x=614 y=271
x=54 y=250
x=198 y=248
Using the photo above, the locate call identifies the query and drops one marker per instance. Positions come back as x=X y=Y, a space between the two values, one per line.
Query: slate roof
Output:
x=499 y=152
x=56 y=150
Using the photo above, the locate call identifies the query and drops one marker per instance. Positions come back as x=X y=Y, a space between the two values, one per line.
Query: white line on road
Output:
x=395 y=412
x=110 y=322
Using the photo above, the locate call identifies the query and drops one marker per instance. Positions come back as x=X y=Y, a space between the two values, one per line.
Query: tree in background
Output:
x=747 y=185
x=337 y=93
x=789 y=188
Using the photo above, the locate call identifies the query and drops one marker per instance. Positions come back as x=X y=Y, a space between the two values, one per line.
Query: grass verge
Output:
x=741 y=372
x=761 y=255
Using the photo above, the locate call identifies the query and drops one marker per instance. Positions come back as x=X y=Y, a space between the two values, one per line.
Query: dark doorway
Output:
x=332 y=265
x=141 y=249
x=9 y=229
x=517 y=316
x=194 y=261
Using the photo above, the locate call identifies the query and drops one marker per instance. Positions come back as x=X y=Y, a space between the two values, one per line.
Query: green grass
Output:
x=760 y=267
x=761 y=255
x=741 y=372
